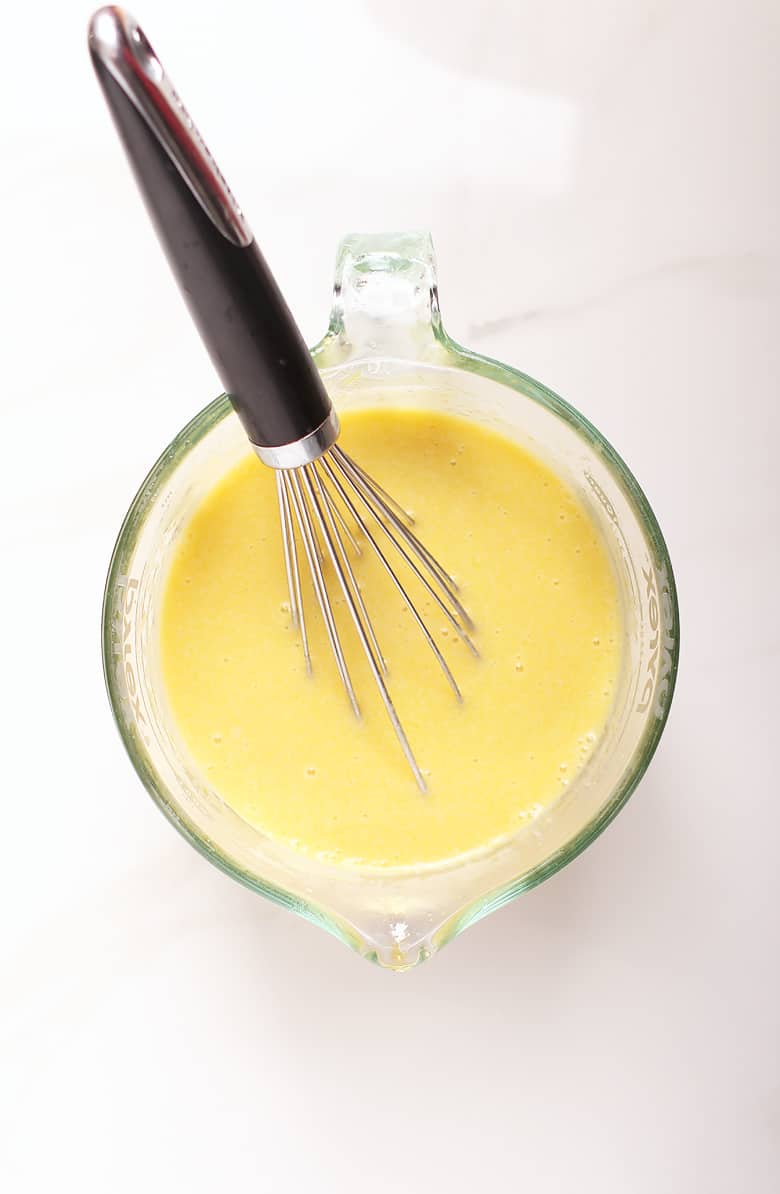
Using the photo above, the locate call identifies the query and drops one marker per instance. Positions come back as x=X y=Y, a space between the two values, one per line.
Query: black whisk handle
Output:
x=243 y=319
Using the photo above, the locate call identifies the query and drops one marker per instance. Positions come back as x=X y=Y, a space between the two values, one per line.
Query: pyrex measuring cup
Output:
x=385 y=345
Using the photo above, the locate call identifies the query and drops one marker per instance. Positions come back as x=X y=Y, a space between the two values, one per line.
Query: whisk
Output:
x=328 y=504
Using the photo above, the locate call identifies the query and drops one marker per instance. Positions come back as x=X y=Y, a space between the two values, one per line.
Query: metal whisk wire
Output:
x=315 y=502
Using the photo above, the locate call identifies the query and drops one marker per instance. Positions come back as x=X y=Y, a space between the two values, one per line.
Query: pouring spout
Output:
x=402 y=950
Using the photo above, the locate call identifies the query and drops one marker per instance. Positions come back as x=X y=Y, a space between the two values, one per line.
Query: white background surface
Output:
x=601 y=181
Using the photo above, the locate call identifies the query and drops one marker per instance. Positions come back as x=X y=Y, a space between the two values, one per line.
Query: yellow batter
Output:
x=286 y=751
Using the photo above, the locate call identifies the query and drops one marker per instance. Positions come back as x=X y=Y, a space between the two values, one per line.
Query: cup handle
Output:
x=385 y=300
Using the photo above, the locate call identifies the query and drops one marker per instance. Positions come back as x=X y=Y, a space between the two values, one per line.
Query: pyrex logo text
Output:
x=660 y=617
x=124 y=618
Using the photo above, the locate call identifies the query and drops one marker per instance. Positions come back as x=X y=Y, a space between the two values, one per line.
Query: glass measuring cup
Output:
x=385 y=345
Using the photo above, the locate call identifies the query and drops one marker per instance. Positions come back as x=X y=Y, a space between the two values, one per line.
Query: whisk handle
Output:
x=241 y=315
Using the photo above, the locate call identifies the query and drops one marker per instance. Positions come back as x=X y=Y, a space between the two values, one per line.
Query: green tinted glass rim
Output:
x=203 y=423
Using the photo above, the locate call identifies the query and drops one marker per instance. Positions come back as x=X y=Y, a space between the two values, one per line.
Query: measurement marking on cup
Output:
x=611 y=514
x=602 y=497
x=124 y=623
x=656 y=613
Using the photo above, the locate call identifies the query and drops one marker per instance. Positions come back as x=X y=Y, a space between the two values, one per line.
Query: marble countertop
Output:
x=602 y=185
